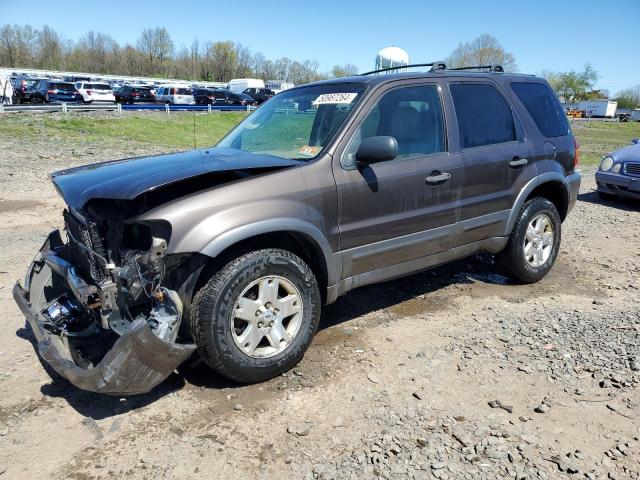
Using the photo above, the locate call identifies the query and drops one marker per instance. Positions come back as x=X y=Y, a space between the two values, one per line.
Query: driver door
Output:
x=399 y=210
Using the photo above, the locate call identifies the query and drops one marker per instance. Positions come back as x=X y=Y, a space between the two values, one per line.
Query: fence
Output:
x=69 y=107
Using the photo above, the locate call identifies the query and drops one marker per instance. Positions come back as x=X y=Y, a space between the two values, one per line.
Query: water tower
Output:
x=391 y=57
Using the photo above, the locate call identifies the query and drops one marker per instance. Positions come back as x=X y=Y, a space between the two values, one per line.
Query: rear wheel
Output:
x=255 y=318
x=534 y=242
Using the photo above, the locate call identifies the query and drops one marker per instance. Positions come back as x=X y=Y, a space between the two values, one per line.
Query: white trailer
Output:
x=279 y=85
x=239 y=85
x=599 y=108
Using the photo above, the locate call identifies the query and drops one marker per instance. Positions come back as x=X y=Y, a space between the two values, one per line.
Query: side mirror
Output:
x=376 y=149
x=636 y=141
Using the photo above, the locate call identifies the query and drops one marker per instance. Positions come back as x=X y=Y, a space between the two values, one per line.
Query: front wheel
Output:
x=256 y=317
x=534 y=242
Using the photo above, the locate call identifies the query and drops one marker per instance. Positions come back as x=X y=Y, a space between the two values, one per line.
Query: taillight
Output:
x=89 y=92
x=52 y=91
x=135 y=94
x=576 y=155
x=210 y=97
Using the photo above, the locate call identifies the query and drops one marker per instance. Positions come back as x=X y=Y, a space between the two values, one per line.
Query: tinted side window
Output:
x=544 y=108
x=413 y=116
x=484 y=117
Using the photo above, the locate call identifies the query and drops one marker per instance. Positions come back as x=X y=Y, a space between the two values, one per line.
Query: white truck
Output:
x=239 y=85
x=598 y=108
x=279 y=85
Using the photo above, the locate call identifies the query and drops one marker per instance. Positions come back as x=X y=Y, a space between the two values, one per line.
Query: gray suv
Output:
x=231 y=251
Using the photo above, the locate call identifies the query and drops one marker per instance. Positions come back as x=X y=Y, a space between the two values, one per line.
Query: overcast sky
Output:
x=543 y=35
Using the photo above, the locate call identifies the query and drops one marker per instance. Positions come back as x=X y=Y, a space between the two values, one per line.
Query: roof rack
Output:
x=491 y=68
x=434 y=67
x=439 y=66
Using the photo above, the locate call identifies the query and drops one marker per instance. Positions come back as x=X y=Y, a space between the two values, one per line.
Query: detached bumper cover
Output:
x=137 y=362
x=617 y=184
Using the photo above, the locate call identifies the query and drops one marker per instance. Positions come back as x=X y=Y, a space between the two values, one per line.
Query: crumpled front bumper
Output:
x=137 y=362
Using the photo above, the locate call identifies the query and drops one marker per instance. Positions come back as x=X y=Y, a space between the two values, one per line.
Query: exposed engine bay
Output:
x=105 y=284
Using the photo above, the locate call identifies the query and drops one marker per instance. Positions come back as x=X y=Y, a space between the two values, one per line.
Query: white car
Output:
x=175 y=96
x=95 y=92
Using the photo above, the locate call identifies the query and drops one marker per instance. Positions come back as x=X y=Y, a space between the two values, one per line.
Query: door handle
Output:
x=518 y=162
x=436 y=178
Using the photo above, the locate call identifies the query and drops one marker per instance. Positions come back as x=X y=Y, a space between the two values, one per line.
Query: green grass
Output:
x=176 y=131
x=598 y=138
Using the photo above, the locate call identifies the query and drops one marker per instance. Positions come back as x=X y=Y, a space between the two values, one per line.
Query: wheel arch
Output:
x=300 y=238
x=550 y=185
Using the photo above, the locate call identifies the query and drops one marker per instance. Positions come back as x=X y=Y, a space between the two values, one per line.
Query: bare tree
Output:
x=156 y=45
x=346 y=70
x=483 y=50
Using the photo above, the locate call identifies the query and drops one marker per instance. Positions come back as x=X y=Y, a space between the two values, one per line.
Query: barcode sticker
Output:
x=333 y=98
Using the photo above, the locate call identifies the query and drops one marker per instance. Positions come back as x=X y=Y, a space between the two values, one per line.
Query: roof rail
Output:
x=434 y=67
x=491 y=68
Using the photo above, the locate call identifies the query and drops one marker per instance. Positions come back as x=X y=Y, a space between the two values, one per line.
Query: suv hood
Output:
x=127 y=179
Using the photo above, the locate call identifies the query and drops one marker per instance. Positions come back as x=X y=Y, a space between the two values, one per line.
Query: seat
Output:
x=406 y=127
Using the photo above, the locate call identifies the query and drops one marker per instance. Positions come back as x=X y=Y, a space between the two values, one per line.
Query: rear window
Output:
x=97 y=86
x=182 y=91
x=62 y=86
x=145 y=91
x=484 y=116
x=543 y=107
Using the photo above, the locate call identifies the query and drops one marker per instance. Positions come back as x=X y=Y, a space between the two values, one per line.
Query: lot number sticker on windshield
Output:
x=333 y=98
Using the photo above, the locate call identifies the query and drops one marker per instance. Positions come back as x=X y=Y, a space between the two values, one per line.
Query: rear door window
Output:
x=543 y=106
x=484 y=116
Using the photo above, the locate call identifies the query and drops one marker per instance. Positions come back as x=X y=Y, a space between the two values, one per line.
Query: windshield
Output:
x=296 y=124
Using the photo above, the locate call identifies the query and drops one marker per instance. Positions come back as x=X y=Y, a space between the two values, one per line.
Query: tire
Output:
x=608 y=197
x=518 y=262
x=217 y=303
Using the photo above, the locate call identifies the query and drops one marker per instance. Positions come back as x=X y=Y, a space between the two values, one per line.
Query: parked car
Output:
x=175 y=96
x=619 y=173
x=130 y=94
x=23 y=88
x=50 y=91
x=95 y=92
x=260 y=95
x=231 y=251
x=204 y=96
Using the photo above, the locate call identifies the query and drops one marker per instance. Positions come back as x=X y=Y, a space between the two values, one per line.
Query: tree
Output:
x=224 y=58
x=629 y=98
x=156 y=45
x=346 y=70
x=573 y=86
x=49 y=48
x=483 y=50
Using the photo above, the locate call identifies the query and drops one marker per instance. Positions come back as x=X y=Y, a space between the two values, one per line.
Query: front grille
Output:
x=86 y=249
x=632 y=169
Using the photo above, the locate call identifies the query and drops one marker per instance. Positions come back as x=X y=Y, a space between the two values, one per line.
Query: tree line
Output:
x=154 y=54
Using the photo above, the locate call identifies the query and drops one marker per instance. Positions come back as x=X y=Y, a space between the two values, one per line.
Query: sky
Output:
x=542 y=35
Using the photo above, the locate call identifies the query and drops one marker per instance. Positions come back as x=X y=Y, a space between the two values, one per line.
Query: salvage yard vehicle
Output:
x=94 y=92
x=619 y=173
x=133 y=94
x=179 y=95
x=232 y=250
x=54 y=91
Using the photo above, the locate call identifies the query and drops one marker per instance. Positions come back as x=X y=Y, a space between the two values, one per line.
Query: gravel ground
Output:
x=452 y=373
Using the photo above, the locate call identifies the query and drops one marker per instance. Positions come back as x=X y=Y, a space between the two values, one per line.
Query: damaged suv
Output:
x=231 y=251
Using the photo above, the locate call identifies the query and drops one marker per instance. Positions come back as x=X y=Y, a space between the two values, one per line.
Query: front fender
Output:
x=230 y=237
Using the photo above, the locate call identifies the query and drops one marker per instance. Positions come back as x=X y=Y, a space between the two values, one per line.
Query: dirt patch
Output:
x=7 y=206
